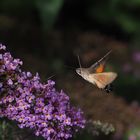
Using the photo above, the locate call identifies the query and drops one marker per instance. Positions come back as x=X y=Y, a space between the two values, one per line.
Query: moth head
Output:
x=82 y=71
x=79 y=71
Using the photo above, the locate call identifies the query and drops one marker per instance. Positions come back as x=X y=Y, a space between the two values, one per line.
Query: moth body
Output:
x=95 y=74
x=85 y=73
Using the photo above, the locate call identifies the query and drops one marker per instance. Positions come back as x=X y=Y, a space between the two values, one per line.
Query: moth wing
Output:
x=99 y=66
x=103 y=79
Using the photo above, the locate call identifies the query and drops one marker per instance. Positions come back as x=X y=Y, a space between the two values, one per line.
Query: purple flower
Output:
x=29 y=74
x=136 y=56
x=0 y=56
x=1 y=85
x=127 y=67
x=30 y=98
x=10 y=82
x=67 y=121
x=2 y=47
x=35 y=105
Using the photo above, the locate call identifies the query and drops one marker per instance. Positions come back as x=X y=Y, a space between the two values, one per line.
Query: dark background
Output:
x=49 y=34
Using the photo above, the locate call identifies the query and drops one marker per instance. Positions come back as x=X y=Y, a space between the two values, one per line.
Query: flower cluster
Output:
x=35 y=105
x=95 y=127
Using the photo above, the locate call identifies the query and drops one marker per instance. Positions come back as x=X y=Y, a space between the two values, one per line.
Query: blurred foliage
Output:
x=9 y=7
x=10 y=131
x=6 y=131
x=96 y=127
x=48 y=34
x=132 y=134
x=122 y=13
x=49 y=11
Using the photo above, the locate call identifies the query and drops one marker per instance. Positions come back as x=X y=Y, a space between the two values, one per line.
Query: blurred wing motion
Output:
x=99 y=66
x=101 y=80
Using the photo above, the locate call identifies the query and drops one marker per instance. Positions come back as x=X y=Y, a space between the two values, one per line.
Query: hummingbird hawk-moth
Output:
x=95 y=74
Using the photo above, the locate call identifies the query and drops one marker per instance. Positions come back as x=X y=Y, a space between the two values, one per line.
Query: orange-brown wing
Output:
x=103 y=79
x=99 y=66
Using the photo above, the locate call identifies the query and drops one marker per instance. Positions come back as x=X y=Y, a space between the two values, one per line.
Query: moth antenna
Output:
x=98 y=62
x=105 y=56
x=79 y=61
